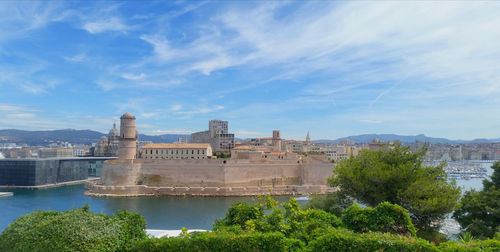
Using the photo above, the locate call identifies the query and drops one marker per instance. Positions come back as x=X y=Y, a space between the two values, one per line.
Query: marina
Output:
x=464 y=170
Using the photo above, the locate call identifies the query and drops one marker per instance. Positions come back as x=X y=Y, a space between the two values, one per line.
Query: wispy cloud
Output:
x=111 y=24
x=129 y=76
x=76 y=58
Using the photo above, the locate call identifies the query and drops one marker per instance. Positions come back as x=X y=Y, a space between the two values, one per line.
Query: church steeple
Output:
x=308 y=138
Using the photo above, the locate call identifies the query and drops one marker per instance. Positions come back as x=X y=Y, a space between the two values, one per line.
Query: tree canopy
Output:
x=73 y=230
x=397 y=175
x=479 y=211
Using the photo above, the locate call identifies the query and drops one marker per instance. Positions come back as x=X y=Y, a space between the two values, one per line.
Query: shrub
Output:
x=335 y=203
x=73 y=230
x=385 y=217
x=488 y=245
x=222 y=241
x=345 y=240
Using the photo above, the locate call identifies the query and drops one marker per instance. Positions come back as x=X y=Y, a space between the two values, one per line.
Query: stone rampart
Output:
x=225 y=177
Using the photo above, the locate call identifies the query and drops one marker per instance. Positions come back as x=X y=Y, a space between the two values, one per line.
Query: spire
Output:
x=114 y=125
x=308 y=138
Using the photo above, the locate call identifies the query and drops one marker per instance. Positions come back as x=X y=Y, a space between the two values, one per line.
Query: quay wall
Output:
x=143 y=190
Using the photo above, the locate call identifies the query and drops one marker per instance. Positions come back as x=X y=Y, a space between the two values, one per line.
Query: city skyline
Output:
x=334 y=69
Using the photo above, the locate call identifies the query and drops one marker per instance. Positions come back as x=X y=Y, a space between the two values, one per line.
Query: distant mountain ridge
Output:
x=366 y=138
x=44 y=137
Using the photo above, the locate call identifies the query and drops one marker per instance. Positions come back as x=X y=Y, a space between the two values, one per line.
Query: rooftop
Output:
x=127 y=116
x=177 y=146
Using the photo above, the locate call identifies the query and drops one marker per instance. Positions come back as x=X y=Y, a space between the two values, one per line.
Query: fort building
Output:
x=249 y=171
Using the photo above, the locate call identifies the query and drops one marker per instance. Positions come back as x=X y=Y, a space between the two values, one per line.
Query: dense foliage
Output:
x=479 y=211
x=385 y=218
x=264 y=226
x=222 y=241
x=73 y=230
x=267 y=216
x=334 y=203
x=396 y=175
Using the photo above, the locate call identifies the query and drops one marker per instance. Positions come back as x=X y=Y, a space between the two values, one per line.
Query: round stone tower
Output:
x=128 y=137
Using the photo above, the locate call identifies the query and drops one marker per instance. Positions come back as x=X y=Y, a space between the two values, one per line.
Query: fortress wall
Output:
x=263 y=174
x=120 y=172
x=214 y=173
x=181 y=173
x=316 y=173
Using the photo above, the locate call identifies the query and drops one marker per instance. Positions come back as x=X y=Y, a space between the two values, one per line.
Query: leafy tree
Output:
x=385 y=218
x=73 y=230
x=396 y=175
x=479 y=211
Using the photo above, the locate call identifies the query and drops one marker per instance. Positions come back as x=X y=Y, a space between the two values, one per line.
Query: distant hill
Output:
x=366 y=138
x=89 y=136
x=70 y=135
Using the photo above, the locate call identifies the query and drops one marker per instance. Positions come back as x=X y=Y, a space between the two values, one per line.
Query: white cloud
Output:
x=176 y=107
x=76 y=58
x=8 y=108
x=149 y=115
x=20 y=115
x=170 y=131
x=133 y=77
x=199 y=110
x=110 y=24
x=107 y=85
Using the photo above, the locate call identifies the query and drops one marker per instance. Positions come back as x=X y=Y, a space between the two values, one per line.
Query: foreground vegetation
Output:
x=263 y=226
x=405 y=202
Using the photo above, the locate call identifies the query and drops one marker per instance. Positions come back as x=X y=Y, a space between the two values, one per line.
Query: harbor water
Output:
x=168 y=212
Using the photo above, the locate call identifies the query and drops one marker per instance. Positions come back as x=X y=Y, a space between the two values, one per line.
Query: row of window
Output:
x=173 y=157
x=164 y=151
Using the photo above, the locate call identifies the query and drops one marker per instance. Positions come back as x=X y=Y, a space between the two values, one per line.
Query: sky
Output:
x=333 y=68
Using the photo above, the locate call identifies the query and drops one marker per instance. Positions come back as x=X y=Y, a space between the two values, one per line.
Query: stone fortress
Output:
x=247 y=172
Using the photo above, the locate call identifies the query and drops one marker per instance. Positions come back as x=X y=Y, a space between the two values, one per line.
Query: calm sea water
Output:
x=168 y=212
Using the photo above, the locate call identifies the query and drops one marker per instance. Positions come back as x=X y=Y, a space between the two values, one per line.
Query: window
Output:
x=192 y=151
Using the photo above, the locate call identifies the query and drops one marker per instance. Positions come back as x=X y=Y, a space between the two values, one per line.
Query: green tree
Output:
x=479 y=211
x=396 y=175
x=73 y=230
x=385 y=218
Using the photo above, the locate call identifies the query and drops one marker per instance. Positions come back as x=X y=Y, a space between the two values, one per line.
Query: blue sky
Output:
x=332 y=68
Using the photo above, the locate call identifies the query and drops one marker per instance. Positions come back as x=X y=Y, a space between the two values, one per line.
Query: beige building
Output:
x=217 y=135
x=176 y=151
x=55 y=152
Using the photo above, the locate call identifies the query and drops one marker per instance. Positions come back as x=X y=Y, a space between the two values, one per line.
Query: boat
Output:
x=6 y=194
x=302 y=198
